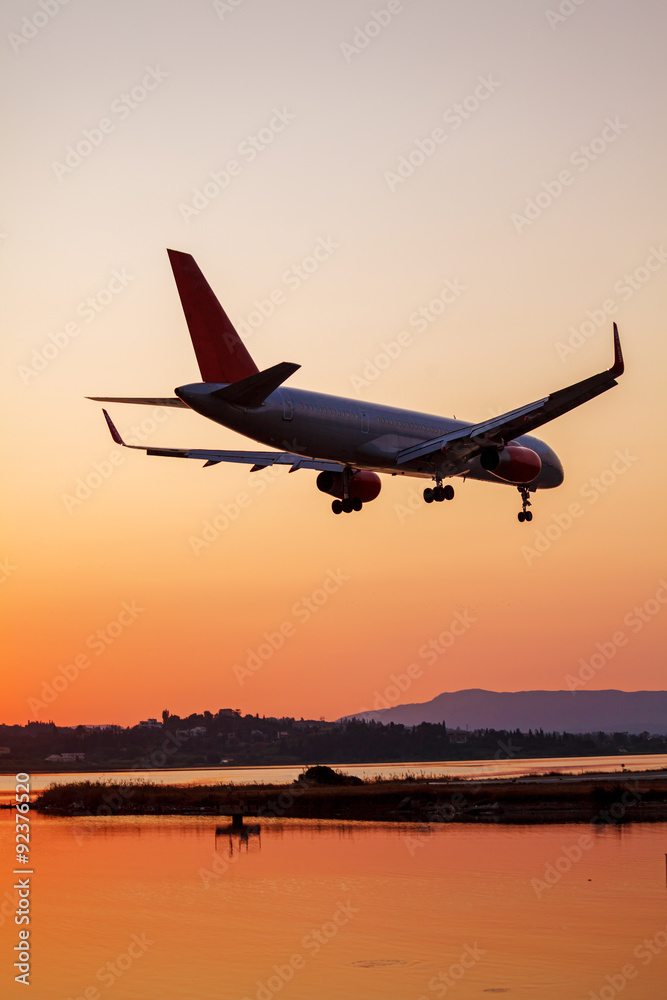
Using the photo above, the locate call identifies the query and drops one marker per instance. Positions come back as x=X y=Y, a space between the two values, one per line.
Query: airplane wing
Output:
x=461 y=445
x=256 y=459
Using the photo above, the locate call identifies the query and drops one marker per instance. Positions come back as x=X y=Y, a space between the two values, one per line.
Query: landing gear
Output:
x=347 y=505
x=438 y=493
x=524 y=514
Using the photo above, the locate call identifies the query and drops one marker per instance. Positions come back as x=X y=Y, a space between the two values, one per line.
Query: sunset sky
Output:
x=506 y=150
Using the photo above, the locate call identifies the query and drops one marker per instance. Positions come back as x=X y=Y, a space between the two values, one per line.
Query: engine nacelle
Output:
x=364 y=485
x=513 y=464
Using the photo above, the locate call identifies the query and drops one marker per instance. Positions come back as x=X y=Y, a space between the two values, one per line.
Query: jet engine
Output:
x=513 y=464
x=364 y=485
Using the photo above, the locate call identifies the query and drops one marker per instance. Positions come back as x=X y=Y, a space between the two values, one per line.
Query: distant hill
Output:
x=554 y=711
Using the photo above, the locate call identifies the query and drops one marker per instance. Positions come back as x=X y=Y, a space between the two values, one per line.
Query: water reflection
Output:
x=184 y=907
x=239 y=835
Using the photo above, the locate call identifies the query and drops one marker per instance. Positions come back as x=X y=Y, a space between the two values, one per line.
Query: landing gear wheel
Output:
x=337 y=507
x=448 y=492
x=356 y=503
x=428 y=495
x=347 y=506
x=525 y=514
x=439 y=494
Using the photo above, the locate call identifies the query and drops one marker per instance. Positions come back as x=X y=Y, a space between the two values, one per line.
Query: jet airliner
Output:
x=347 y=441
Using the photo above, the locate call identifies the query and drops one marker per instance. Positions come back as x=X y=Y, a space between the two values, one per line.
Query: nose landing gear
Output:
x=524 y=514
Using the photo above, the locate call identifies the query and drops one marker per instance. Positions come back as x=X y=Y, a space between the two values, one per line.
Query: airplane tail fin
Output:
x=221 y=354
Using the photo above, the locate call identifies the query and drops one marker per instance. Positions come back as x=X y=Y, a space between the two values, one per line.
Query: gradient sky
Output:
x=567 y=127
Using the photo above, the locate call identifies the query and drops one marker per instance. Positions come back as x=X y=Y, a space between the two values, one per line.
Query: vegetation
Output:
x=208 y=739
x=598 y=801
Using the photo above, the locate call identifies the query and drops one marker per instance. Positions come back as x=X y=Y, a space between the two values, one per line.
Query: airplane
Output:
x=350 y=443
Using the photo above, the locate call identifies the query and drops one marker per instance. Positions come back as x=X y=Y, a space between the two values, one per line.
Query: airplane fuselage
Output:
x=362 y=435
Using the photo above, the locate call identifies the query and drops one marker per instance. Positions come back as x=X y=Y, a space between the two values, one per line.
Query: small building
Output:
x=458 y=735
x=198 y=731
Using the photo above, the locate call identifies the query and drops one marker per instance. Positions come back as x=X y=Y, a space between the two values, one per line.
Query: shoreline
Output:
x=599 y=799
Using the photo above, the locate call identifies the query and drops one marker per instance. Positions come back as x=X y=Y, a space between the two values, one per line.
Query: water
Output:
x=504 y=768
x=154 y=908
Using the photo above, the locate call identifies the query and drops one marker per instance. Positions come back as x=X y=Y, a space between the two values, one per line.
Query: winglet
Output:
x=112 y=427
x=618 y=367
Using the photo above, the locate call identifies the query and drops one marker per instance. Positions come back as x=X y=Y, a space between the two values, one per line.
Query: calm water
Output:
x=163 y=908
x=502 y=768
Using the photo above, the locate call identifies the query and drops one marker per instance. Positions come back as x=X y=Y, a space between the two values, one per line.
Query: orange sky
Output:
x=540 y=196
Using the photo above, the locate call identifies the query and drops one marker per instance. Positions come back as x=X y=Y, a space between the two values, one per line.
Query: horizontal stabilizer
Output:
x=253 y=390
x=143 y=400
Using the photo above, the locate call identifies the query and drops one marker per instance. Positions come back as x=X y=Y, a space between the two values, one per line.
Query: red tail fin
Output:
x=221 y=354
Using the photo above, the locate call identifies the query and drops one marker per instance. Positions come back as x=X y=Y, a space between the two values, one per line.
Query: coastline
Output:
x=597 y=799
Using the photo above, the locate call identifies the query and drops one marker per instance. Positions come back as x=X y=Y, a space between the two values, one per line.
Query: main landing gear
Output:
x=439 y=493
x=524 y=514
x=347 y=505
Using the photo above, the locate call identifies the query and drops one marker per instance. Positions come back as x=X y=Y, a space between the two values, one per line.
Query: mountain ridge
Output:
x=607 y=710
